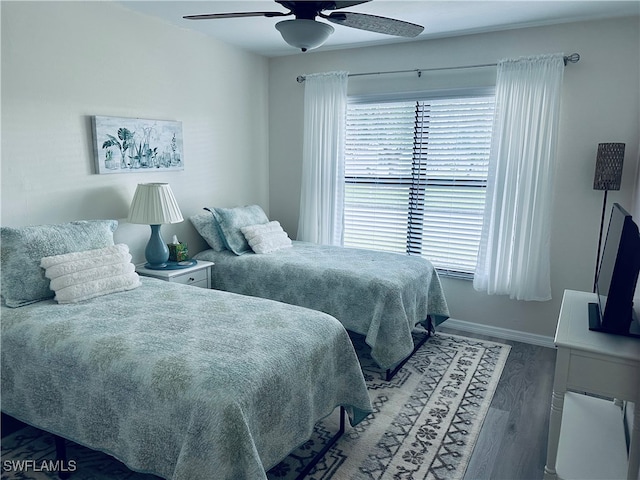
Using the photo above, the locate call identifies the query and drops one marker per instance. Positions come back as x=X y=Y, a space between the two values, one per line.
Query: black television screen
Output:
x=617 y=277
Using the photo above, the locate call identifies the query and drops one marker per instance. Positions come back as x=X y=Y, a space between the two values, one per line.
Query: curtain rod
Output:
x=573 y=58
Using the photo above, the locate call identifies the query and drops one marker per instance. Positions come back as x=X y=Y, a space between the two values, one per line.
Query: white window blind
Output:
x=415 y=178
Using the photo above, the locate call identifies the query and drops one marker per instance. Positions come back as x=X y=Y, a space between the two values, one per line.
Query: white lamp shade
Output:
x=154 y=204
x=304 y=34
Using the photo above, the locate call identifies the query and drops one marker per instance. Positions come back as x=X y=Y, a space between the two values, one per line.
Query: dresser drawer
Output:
x=197 y=275
x=201 y=284
x=197 y=278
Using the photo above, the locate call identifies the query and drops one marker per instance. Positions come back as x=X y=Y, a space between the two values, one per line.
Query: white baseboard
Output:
x=503 y=333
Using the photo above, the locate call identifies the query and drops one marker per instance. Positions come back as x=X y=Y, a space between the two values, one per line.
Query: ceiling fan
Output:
x=306 y=33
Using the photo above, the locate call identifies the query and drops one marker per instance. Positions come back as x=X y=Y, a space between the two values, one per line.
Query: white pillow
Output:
x=91 y=274
x=96 y=288
x=83 y=275
x=266 y=238
x=46 y=262
x=64 y=268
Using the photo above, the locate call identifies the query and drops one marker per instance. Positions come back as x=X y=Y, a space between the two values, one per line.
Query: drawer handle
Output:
x=191 y=279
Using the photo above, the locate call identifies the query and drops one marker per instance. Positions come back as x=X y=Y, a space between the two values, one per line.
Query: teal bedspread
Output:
x=376 y=294
x=182 y=382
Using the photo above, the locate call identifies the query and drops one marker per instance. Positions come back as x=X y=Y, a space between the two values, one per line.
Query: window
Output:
x=416 y=177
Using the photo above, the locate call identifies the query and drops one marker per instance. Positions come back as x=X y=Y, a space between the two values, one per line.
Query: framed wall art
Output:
x=126 y=145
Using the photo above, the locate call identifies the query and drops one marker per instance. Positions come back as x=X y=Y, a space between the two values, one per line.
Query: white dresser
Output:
x=586 y=433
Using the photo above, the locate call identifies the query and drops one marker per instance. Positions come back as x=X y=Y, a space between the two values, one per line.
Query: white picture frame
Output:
x=129 y=145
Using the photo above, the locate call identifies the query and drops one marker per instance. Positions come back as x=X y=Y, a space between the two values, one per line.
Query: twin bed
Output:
x=379 y=295
x=181 y=382
x=382 y=296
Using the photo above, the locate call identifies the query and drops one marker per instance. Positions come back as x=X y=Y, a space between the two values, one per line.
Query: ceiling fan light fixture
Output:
x=303 y=33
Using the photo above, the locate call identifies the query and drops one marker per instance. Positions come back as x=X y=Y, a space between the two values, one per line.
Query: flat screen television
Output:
x=617 y=278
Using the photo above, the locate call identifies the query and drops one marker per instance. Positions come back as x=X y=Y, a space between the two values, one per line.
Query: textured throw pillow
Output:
x=207 y=226
x=267 y=237
x=23 y=280
x=231 y=220
x=83 y=275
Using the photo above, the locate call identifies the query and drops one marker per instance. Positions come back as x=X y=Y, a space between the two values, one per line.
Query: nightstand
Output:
x=198 y=275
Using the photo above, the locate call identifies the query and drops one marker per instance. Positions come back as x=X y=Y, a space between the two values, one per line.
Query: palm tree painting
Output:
x=125 y=145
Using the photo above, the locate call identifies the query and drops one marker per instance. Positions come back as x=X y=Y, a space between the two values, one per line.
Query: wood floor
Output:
x=513 y=440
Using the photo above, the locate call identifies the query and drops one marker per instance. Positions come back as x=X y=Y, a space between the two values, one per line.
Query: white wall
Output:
x=63 y=62
x=600 y=104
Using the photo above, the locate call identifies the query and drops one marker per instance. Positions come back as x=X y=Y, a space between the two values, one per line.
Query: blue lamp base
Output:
x=157 y=252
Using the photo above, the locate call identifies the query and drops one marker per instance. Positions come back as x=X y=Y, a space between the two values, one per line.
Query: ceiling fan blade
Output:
x=212 y=16
x=339 y=5
x=309 y=9
x=374 y=23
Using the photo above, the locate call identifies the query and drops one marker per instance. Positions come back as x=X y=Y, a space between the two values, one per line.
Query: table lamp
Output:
x=154 y=204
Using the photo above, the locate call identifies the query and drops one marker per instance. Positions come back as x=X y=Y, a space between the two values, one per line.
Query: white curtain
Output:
x=322 y=190
x=514 y=254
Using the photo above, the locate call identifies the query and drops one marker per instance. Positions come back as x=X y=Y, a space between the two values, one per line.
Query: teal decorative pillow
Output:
x=231 y=220
x=207 y=226
x=22 y=248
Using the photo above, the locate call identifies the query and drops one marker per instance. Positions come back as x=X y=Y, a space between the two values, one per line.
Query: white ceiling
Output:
x=441 y=18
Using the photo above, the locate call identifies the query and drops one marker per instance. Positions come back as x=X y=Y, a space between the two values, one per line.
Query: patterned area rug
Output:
x=425 y=424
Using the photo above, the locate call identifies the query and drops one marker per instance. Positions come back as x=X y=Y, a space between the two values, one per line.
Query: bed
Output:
x=382 y=296
x=173 y=380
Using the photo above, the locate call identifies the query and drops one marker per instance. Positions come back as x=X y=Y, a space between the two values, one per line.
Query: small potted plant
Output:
x=109 y=162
